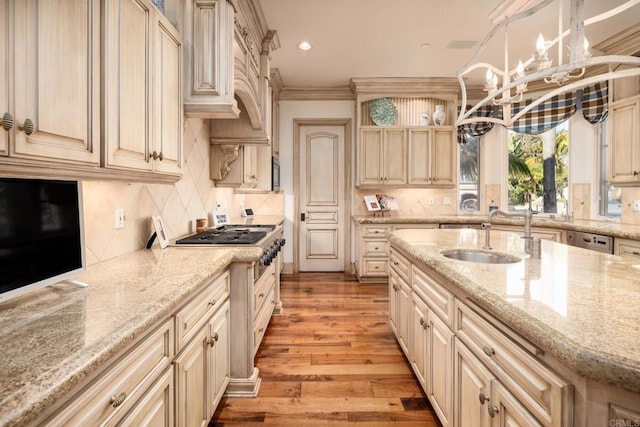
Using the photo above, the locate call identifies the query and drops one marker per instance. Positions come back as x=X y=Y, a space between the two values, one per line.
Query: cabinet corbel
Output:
x=221 y=157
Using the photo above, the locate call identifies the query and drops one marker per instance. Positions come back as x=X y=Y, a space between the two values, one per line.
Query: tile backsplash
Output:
x=411 y=201
x=194 y=196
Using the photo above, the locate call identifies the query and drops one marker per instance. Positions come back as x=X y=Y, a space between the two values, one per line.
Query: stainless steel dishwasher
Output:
x=596 y=242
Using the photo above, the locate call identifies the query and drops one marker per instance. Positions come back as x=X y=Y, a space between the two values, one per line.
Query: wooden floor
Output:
x=331 y=359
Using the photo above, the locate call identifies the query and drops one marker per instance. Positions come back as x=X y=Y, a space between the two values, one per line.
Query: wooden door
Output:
x=168 y=128
x=191 y=382
x=322 y=198
x=394 y=154
x=56 y=75
x=624 y=142
x=370 y=157
x=127 y=53
x=440 y=367
x=4 y=75
x=472 y=389
x=444 y=157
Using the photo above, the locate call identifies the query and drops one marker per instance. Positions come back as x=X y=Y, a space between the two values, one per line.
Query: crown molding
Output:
x=336 y=93
x=431 y=87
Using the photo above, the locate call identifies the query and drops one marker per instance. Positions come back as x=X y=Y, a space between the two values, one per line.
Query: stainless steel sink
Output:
x=483 y=257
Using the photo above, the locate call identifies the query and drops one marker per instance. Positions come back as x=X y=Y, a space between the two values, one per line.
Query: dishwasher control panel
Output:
x=596 y=242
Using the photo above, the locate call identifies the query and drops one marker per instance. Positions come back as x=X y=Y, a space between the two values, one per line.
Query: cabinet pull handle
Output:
x=260 y=330
x=28 y=126
x=424 y=324
x=117 y=401
x=215 y=337
x=376 y=248
x=211 y=342
x=377 y=232
x=7 y=121
x=157 y=156
x=261 y=295
x=483 y=398
x=635 y=173
x=635 y=253
x=488 y=351
x=212 y=303
x=396 y=263
x=492 y=409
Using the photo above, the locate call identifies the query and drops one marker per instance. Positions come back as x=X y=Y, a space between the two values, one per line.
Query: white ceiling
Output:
x=384 y=38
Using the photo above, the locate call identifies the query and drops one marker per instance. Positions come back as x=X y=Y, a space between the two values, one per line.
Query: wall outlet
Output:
x=431 y=201
x=119 y=218
x=636 y=205
x=219 y=206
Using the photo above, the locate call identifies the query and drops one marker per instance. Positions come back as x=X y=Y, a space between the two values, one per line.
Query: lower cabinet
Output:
x=473 y=372
x=202 y=371
x=156 y=408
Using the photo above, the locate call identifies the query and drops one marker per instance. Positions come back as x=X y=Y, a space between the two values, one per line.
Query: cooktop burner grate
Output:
x=229 y=237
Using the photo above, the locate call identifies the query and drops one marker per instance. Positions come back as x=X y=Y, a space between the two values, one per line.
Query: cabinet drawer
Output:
x=626 y=248
x=375 y=247
x=262 y=320
x=374 y=230
x=375 y=267
x=197 y=311
x=263 y=286
x=439 y=300
x=127 y=379
x=401 y=265
x=546 y=395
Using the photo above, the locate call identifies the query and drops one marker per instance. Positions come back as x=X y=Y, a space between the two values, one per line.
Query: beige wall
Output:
x=194 y=196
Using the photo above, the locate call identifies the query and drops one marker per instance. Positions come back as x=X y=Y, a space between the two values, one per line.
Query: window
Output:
x=609 y=197
x=469 y=187
x=539 y=166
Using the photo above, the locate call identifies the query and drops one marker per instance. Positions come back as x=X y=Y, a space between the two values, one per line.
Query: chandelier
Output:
x=505 y=86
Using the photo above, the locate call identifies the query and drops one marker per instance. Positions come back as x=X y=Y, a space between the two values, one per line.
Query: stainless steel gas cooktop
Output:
x=229 y=235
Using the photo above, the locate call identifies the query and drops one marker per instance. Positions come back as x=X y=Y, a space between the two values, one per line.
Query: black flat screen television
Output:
x=41 y=234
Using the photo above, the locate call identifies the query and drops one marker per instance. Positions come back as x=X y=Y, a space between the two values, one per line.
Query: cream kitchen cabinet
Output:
x=626 y=248
x=209 y=65
x=555 y=235
x=6 y=118
x=433 y=157
x=624 y=147
x=143 y=89
x=156 y=408
x=382 y=156
x=55 y=75
x=202 y=371
x=400 y=297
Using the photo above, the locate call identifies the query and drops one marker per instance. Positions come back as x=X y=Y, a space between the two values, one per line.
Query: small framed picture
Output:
x=220 y=218
x=161 y=231
x=372 y=203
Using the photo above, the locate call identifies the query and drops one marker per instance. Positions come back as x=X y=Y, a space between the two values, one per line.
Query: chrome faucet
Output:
x=527 y=215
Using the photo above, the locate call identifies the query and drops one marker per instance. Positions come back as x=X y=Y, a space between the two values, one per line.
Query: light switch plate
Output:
x=636 y=205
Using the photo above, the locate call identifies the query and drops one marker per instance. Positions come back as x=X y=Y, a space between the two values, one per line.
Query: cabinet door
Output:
x=370 y=157
x=419 y=157
x=219 y=357
x=4 y=74
x=440 y=367
x=393 y=301
x=506 y=411
x=394 y=155
x=128 y=31
x=419 y=340
x=154 y=409
x=444 y=157
x=57 y=79
x=191 y=382
x=471 y=389
x=168 y=128
x=624 y=142
x=404 y=316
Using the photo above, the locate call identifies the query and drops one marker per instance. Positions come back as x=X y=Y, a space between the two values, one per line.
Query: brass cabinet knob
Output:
x=7 y=122
x=488 y=351
x=492 y=409
x=157 y=156
x=28 y=127
x=117 y=401
x=483 y=398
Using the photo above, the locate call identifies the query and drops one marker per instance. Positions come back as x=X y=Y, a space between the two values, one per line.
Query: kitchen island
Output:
x=572 y=312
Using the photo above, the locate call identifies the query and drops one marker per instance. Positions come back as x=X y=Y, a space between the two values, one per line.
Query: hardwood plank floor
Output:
x=331 y=359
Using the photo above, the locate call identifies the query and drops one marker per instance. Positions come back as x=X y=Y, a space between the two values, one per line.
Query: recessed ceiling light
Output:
x=304 y=45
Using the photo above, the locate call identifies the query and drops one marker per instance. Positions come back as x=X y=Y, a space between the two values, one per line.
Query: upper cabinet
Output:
x=56 y=79
x=6 y=118
x=143 y=91
x=91 y=90
x=402 y=145
x=209 y=59
x=624 y=154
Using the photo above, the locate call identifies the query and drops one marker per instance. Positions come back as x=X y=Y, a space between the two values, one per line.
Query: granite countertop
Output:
x=609 y=228
x=53 y=338
x=578 y=305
